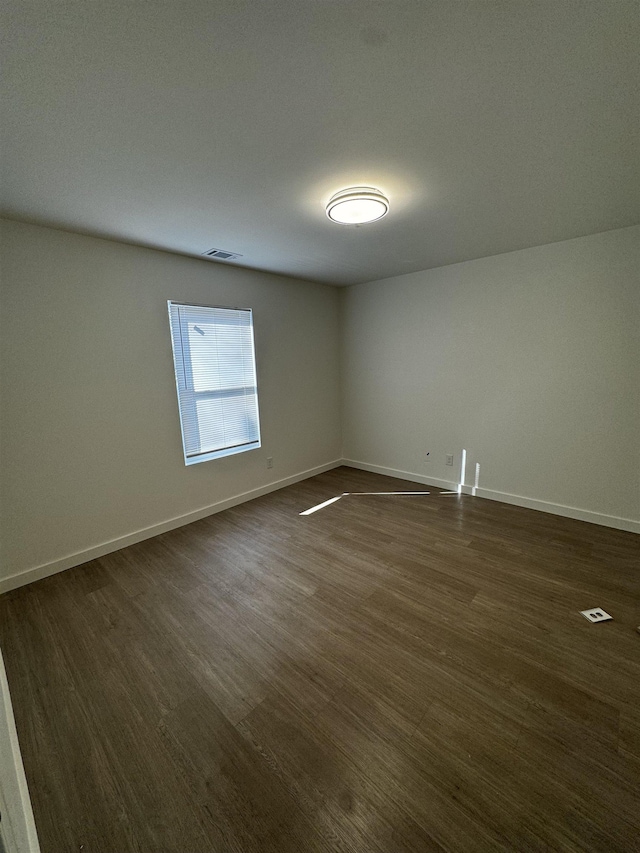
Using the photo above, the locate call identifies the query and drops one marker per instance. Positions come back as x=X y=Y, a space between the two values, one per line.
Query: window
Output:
x=215 y=369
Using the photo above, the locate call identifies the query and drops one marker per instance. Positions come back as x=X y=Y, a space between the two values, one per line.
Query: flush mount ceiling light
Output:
x=356 y=205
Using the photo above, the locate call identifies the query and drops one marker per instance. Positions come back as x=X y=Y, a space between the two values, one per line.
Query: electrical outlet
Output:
x=449 y=459
x=596 y=614
x=269 y=461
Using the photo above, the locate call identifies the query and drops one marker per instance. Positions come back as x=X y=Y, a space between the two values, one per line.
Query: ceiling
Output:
x=491 y=126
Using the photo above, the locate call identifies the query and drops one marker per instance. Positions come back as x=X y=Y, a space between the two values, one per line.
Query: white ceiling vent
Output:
x=221 y=255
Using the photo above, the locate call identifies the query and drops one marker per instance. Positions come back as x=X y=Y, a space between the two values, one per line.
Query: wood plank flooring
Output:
x=389 y=674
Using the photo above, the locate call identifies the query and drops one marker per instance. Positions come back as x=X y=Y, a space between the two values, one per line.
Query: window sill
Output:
x=218 y=454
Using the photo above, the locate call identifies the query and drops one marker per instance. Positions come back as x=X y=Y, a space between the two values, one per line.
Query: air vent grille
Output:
x=222 y=255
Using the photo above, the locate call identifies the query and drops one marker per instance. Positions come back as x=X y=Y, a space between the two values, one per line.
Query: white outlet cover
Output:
x=596 y=614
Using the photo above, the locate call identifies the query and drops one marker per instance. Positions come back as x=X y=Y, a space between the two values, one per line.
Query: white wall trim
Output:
x=516 y=500
x=560 y=509
x=18 y=825
x=71 y=560
x=448 y=485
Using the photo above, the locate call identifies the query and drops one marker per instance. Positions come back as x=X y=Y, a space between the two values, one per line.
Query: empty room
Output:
x=320 y=426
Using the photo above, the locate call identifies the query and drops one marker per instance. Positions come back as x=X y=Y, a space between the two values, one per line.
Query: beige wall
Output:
x=90 y=435
x=529 y=360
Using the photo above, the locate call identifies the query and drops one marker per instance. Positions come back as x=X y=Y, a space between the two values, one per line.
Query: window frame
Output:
x=187 y=396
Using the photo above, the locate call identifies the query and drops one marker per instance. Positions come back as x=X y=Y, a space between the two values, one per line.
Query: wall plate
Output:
x=596 y=614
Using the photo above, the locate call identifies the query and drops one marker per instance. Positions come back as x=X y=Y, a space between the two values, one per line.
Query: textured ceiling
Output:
x=491 y=126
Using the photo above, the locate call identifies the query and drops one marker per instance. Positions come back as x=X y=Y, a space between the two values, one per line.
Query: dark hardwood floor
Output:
x=389 y=674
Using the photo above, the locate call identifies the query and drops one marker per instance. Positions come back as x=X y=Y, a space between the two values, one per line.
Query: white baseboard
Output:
x=18 y=825
x=560 y=509
x=447 y=485
x=517 y=500
x=71 y=560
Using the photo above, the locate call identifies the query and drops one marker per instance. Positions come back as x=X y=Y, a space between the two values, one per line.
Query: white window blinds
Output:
x=215 y=368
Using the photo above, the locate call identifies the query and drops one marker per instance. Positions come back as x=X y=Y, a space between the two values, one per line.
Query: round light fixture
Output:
x=356 y=205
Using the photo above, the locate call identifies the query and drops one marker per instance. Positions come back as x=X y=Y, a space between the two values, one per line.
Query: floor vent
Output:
x=221 y=255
